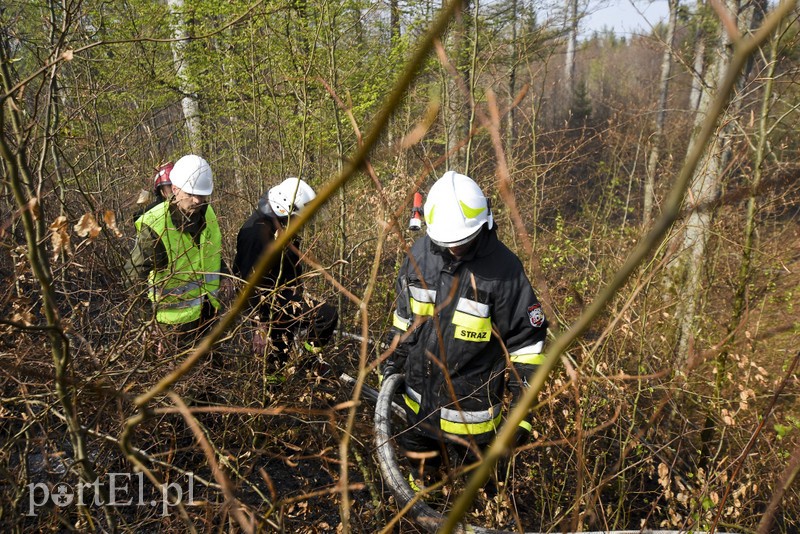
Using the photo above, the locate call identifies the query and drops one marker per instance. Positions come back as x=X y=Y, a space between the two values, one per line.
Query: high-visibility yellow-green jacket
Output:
x=192 y=271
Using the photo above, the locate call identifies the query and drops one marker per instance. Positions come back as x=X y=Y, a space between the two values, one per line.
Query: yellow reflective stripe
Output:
x=527 y=358
x=400 y=323
x=470 y=428
x=478 y=324
x=421 y=308
x=526 y=425
x=471 y=335
x=471 y=328
x=411 y=403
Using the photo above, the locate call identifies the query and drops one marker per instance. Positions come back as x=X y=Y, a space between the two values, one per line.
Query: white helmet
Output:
x=192 y=174
x=455 y=210
x=290 y=197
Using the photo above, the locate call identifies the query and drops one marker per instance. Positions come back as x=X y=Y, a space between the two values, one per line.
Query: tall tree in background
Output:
x=709 y=176
x=701 y=19
x=661 y=114
x=457 y=86
x=571 y=29
x=189 y=104
x=512 y=80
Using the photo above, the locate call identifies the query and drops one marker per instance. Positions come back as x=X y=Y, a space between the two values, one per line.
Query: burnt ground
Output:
x=284 y=465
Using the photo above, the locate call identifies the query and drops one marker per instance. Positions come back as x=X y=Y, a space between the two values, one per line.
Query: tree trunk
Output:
x=699 y=58
x=661 y=115
x=705 y=187
x=512 y=85
x=761 y=150
x=571 y=27
x=394 y=20
x=456 y=90
x=471 y=81
x=189 y=103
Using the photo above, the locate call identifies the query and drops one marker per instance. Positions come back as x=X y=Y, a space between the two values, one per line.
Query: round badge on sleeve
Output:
x=536 y=315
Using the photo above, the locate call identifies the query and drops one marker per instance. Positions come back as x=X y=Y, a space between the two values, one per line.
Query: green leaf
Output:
x=782 y=430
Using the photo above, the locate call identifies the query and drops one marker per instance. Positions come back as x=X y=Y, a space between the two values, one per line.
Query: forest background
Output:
x=648 y=184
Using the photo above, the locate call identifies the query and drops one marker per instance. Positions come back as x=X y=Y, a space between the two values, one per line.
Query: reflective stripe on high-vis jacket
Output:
x=463 y=422
x=192 y=270
x=472 y=321
x=401 y=323
x=413 y=399
x=529 y=355
x=422 y=301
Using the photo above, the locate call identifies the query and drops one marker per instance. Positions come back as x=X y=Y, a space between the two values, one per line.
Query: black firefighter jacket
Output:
x=463 y=321
x=279 y=285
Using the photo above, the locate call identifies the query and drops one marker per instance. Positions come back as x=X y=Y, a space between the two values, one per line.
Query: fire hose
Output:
x=419 y=512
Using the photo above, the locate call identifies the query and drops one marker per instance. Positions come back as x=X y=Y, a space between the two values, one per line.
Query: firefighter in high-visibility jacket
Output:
x=468 y=325
x=178 y=250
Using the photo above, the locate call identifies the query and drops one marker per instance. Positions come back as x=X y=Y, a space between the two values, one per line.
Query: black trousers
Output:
x=428 y=454
x=314 y=321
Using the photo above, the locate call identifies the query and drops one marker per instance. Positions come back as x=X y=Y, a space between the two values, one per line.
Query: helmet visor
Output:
x=460 y=241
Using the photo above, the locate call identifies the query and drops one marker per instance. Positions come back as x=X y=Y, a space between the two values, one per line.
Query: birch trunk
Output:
x=699 y=59
x=661 y=115
x=706 y=184
x=571 y=26
x=189 y=104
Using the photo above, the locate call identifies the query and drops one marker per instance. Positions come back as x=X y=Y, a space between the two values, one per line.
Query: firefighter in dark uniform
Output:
x=281 y=311
x=469 y=326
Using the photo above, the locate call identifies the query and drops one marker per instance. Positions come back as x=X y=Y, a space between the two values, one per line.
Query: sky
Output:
x=625 y=17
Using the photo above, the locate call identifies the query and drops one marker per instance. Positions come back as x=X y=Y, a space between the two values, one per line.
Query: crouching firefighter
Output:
x=466 y=316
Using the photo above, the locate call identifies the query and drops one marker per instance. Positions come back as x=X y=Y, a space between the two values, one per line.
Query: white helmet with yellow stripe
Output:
x=456 y=210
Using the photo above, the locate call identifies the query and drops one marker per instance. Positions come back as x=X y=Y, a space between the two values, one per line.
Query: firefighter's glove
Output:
x=389 y=368
x=522 y=435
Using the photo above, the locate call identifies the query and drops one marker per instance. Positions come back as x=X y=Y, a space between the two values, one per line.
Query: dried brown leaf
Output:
x=24 y=318
x=144 y=197
x=59 y=238
x=87 y=226
x=111 y=222
x=33 y=206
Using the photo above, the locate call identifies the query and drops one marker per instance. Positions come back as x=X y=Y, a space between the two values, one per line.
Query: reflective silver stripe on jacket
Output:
x=186 y=288
x=416 y=397
x=536 y=348
x=181 y=304
x=461 y=416
x=175 y=291
x=422 y=295
x=401 y=323
x=472 y=307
